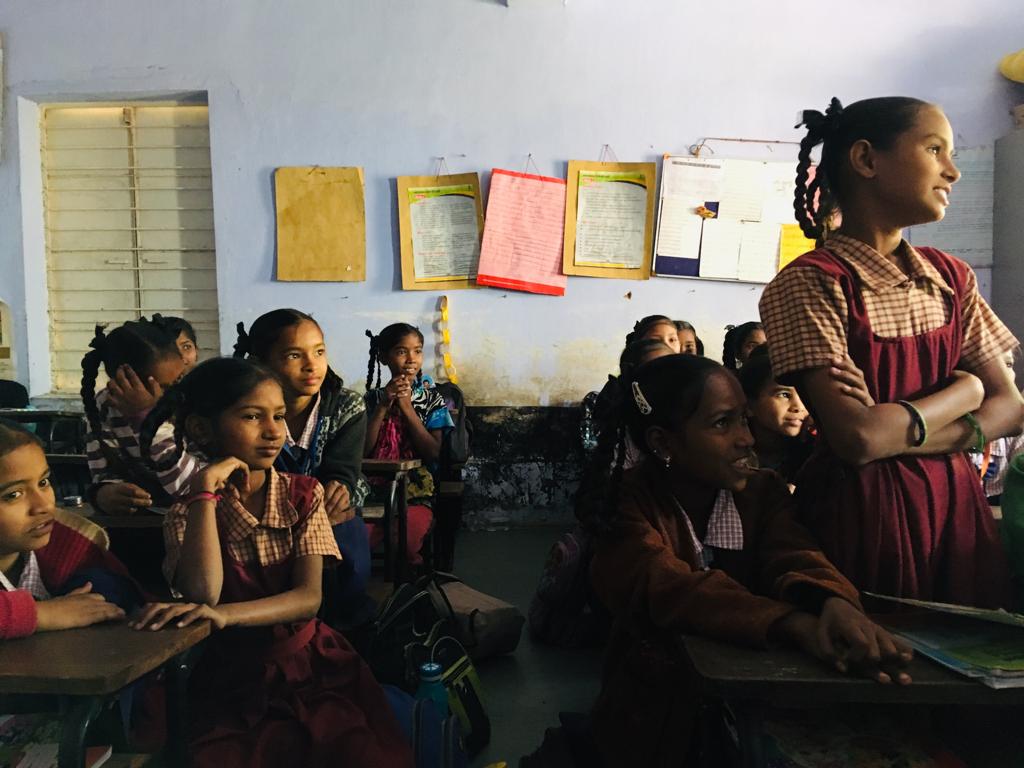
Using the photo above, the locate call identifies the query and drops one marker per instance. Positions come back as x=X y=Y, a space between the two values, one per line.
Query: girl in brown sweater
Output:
x=697 y=541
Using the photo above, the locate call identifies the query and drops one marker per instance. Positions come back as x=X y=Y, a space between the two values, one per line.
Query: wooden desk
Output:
x=141 y=519
x=84 y=666
x=751 y=680
x=396 y=505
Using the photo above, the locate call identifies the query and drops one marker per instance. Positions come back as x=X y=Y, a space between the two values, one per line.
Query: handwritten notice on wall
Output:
x=522 y=245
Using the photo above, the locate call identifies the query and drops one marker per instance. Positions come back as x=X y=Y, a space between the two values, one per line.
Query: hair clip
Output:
x=641 y=401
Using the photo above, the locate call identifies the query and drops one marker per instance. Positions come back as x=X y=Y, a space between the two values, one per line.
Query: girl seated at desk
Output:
x=274 y=685
x=696 y=540
x=47 y=568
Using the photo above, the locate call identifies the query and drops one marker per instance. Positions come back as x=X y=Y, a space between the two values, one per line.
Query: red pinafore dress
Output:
x=289 y=694
x=911 y=526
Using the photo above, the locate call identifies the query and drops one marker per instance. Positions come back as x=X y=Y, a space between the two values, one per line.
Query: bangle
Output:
x=204 y=496
x=979 y=434
x=917 y=420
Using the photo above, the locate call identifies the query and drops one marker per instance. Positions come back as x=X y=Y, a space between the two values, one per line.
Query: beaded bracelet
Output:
x=920 y=427
x=979 y=434
x=202 y=497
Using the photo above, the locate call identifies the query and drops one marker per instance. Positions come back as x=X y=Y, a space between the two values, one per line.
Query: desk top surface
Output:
x=93 y=660
x=38 y=414
x=787 y=677
x=389 y=465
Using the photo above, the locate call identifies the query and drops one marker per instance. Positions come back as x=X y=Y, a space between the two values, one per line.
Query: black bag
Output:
x=416 y=625
x=457 y=442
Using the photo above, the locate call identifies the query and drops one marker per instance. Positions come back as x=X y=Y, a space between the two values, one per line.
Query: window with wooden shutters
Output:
x=129 y=223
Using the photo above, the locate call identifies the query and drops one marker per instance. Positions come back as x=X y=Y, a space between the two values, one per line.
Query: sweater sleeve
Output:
x=791 y=565
x=641 y=580
x=18 y=615
x=343 y=455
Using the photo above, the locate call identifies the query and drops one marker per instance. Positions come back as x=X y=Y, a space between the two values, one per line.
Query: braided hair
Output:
x=735 y=337
x=663 y=392
x=879 y=121
x=139 y=344
x=267 y=329
x=208 y=390
x=382 y=344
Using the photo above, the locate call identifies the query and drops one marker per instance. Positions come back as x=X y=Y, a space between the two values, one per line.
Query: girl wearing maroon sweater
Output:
x=47 y=568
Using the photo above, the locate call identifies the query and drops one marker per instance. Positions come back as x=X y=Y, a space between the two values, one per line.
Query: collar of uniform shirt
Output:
x=878 y=273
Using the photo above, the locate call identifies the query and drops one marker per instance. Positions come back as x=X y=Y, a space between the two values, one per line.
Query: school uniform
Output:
x=330 y=447
x=913 y=526
x=754 y=565
x=67 y=561
x=286 y=694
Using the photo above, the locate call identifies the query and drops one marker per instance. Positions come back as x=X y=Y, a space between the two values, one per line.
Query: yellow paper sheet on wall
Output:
x=321 y=224
x=793 y=243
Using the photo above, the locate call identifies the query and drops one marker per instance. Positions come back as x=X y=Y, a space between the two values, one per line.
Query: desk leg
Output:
x=750 y=724
x=402 y=553
x=176 y=674
x=79 y=714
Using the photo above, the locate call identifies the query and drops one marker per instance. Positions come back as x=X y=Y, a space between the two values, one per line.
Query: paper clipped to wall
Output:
x=522 y=243
x=321 y=224
x=609 y=219
x=440 y=223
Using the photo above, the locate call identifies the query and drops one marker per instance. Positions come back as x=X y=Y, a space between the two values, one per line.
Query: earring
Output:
x=668 y=461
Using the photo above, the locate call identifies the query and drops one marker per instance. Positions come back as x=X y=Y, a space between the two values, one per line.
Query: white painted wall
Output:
x=390 y=84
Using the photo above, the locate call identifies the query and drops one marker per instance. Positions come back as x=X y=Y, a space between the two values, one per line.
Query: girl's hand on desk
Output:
x=78 y=608
x=122 y=498
x=158 y=615
x=849 y=640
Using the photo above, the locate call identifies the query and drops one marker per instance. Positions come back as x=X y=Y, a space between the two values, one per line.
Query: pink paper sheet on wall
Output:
x=522 y=244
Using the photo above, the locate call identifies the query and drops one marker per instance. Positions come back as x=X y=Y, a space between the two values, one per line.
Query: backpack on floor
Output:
x=562 y=612
x=486 y=625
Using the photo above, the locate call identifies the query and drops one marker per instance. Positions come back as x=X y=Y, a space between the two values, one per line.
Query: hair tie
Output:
x=99 y=339
x=818 y=124
x=372 y=338
x=641 y=402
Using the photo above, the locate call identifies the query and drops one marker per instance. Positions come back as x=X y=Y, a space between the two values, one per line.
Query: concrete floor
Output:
x=526 y=690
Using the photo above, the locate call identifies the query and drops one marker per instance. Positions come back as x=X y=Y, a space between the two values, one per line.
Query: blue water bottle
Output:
x=431 y=688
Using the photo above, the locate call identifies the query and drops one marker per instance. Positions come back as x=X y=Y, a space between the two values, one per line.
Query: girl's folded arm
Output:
x=860 y=434
x=300 y=602
x=1001 y=413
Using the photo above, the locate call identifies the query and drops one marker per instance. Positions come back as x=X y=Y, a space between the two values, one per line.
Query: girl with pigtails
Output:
x=141 y=359
x=696 y=540
x=890 y=492
x=407 y=419
x=740 y=341
x=274 y=686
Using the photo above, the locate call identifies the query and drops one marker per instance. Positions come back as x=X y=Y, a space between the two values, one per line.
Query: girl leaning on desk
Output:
x=696 y=540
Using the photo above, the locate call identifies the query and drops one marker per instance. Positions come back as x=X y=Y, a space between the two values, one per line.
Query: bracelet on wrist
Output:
x=979 y=434
x=202 y=496
x=918 y=422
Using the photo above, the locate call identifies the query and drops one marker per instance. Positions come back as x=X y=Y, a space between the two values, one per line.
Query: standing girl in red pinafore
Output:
x=274 y=686
x=891 y=493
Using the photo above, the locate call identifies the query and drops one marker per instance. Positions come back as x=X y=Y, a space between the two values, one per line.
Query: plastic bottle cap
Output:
x=430 y=671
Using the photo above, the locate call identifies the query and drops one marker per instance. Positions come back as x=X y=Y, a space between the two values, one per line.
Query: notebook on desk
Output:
x=986 y=645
